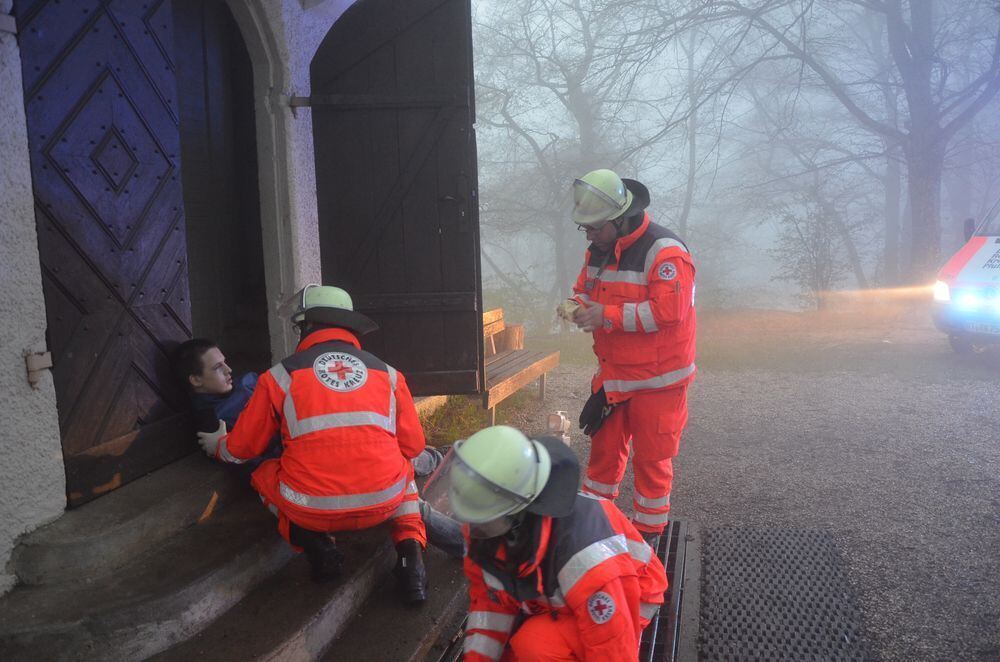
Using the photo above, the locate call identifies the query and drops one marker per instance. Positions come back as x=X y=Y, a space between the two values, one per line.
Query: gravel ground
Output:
x=903 y=472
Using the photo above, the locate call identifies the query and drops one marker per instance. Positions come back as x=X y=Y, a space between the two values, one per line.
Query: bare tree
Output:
x=944 y=55
x=808 y=250
x=557 y=88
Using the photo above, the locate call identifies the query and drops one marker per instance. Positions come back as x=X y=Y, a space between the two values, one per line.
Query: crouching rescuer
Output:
x=553 y=574
x=349 y=429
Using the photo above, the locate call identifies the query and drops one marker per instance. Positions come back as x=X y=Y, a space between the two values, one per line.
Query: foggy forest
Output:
x=800 y=147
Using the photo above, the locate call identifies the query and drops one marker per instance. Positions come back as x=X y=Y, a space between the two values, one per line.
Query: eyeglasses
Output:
x=591 y=228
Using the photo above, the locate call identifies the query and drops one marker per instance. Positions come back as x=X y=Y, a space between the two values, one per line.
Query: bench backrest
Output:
x=498 y=336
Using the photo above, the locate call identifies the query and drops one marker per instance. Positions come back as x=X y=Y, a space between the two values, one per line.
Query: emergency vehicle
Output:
x=967 y=291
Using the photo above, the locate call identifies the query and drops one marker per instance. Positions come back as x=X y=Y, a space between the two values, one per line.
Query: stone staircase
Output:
x=185 y=563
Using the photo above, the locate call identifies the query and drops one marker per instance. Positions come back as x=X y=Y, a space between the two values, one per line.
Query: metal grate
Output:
x=776 y=594
x=660 y=639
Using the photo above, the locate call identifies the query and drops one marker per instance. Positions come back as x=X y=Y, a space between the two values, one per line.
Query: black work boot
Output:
x=411 y=575
x=651 y=538
x=325 y=559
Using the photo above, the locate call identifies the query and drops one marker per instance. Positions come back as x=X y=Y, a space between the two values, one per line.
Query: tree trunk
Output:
x=924 y=164
x=692 y=140
x=852 y=250
x=893 y=195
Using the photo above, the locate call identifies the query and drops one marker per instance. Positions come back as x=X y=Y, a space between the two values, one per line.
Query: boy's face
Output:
x=216 y=377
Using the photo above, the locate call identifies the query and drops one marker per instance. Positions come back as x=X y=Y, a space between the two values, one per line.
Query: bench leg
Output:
x=491 y=416
x=541 y=387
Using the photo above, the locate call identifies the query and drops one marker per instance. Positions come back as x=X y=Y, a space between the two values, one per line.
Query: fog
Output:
x=798 y=147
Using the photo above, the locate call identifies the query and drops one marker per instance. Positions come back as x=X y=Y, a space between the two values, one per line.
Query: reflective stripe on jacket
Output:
x=348 y=425
x=594 y=550
x=647 y=288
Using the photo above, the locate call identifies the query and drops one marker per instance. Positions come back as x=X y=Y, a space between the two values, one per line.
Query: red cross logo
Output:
x=601 y=607
x=340 y=370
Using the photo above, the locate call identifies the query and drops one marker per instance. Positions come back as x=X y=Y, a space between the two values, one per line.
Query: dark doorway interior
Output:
x=221 y=198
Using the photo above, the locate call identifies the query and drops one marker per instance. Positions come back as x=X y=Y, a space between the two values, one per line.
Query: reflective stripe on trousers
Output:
x=410 y=504
x=651 y=504
x=486 y=646
x=650 y=519
x=490 y=620
x=606 y=490
x=345 y=501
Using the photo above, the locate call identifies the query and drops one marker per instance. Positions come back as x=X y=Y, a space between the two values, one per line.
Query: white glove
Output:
x=209 y=441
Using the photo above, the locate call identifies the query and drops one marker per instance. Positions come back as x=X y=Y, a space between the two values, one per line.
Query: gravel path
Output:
x=904 y=473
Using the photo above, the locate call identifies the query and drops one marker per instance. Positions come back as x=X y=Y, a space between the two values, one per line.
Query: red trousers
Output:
x=545 y=638
x=403 y=514
x=653 y=421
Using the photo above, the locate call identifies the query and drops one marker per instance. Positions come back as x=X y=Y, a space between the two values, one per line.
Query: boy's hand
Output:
x=209 y=441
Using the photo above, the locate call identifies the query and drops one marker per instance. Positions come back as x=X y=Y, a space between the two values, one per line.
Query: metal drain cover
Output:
x=775 y=594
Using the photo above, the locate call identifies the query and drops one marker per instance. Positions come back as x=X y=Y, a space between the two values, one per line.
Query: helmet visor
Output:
x=296 y=303
x=457 y=490
x=492 y=529
x=591 y=205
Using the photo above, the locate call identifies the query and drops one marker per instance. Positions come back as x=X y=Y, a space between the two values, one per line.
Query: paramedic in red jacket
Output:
x=349 y=429
x=636 y=294
x=553 y=574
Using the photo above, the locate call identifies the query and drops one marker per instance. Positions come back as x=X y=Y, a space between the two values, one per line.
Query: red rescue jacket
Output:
x=647 y=289
x=592 y=565
x=348 y=425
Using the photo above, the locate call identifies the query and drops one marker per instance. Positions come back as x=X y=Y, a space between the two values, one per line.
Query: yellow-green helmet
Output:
x=328 y=305
x=498 y=471
x=320 y=296
x=599 y=196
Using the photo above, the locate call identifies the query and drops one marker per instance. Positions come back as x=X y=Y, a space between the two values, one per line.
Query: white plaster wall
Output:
x=282 y=38
x=32 y=481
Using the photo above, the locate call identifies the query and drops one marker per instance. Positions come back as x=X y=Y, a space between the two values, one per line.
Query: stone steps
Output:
x=417 y=634
x=100 y=537
x=289 y=617
x=183 y=563
x=154 y=600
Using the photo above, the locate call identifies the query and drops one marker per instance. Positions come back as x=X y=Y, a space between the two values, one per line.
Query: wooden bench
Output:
x=509 y=366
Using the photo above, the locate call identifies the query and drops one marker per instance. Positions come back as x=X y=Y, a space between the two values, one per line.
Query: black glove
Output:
x=595 y=410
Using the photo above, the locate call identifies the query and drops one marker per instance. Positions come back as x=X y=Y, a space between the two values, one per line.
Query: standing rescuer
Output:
x=553 y=574
x=349 y=429
x=636 y=294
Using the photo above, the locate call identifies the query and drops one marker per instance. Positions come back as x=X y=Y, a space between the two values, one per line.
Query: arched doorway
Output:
x=109 y=101
x=219 y=173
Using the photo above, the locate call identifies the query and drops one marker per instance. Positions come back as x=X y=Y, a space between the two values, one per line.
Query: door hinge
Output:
x=37 y=363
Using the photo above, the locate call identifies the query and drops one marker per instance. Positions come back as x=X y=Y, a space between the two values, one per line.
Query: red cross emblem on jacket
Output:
x=339 y=369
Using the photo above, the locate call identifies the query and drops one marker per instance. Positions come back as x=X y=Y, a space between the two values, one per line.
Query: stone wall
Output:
x=282 y=38
x=32 y=482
